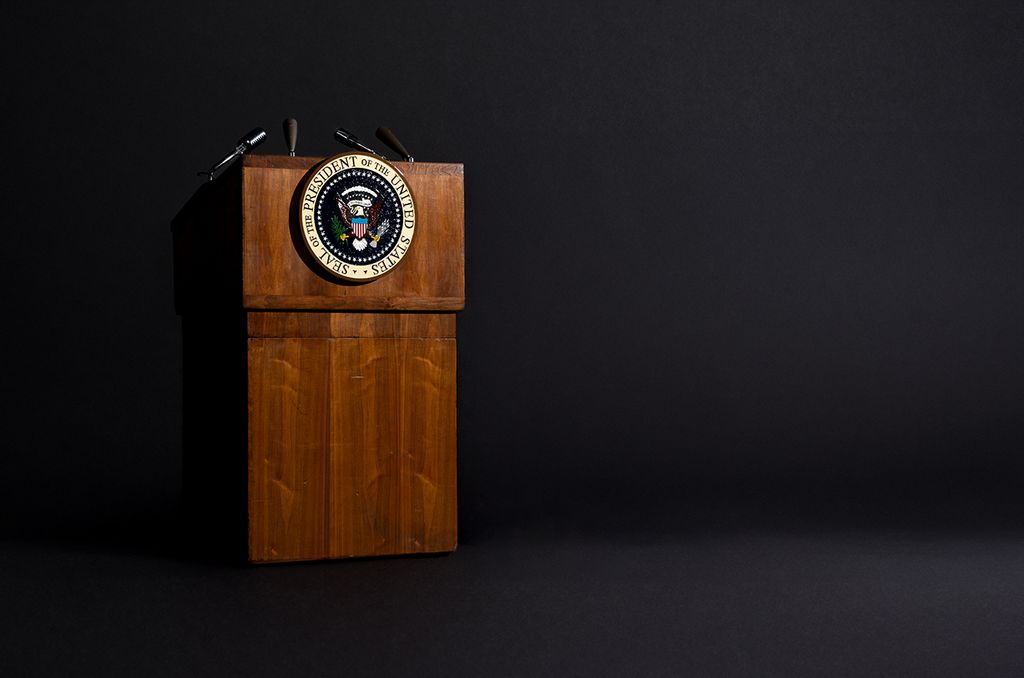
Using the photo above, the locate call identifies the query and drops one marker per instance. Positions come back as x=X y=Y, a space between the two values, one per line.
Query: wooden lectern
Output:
x=319 y=415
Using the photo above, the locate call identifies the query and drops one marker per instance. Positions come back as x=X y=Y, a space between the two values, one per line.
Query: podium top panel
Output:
x=308 y=162
x=277 y=272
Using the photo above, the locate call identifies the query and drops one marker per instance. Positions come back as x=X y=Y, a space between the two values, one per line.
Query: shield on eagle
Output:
x=359 y=227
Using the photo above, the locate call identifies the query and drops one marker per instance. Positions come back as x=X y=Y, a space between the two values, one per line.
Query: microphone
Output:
x=291 y=134
x=392 y=142
x=254 y=138
x=344 y=136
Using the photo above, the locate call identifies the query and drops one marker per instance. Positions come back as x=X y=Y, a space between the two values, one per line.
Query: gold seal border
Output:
x=310 y=191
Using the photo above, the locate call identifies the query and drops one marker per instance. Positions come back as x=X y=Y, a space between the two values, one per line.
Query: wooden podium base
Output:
x=351 y=433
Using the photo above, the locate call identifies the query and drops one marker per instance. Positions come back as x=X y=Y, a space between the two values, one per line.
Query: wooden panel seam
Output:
x=322 y=303
x=318 y=324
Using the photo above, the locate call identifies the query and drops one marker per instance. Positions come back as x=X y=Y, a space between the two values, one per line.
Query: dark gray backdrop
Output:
x=717 y=253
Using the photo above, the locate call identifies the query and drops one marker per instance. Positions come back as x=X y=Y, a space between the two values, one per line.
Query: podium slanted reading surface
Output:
x=319 y=415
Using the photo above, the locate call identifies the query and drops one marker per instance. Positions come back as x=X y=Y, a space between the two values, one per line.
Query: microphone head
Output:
x=352 y=141
x=254 y=138
x=344 y=136
x=389 y=138
x=291 y=134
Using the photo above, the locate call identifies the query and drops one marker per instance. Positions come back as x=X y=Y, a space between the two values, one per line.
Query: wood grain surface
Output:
x=288 y=429
x=339 y=325
x=276 y=269
x=351 y=447
x=348 y=390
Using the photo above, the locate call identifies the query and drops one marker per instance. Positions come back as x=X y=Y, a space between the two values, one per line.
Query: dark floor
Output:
x=559 y=599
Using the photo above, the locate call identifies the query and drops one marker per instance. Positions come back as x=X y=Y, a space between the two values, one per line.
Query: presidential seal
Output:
x=357 y=216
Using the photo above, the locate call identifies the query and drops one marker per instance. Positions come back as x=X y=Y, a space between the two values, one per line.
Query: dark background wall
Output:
x=718 y=253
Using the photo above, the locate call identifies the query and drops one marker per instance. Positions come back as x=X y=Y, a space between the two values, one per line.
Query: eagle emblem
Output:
x=359 y=207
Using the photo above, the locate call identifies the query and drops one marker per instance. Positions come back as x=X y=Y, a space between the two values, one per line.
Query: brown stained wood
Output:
x=365 y=303
x=440 y=325
x=351 y=447
x=427 y=445
x=284 y=324
x=338 y=325
x=364 y=484
x=345 y=394
x=288 y=430
x=273 y=161
x=392 y=447
x=277 y=276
